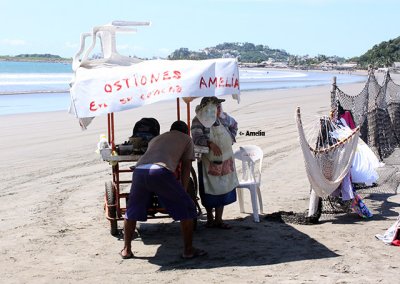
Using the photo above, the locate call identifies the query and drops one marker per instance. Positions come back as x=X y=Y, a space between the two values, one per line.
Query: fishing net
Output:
x=376 y=109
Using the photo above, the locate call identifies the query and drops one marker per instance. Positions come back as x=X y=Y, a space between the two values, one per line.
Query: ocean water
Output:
x=42 y=87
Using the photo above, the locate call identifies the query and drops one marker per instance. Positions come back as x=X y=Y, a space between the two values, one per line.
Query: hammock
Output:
x=330 y=161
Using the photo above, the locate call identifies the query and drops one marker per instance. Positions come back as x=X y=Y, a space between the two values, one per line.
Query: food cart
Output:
x=113 y=82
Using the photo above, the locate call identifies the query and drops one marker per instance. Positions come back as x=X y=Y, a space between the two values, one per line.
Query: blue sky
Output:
x=332 y=27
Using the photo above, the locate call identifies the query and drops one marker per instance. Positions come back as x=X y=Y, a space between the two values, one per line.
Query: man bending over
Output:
x=154 y=172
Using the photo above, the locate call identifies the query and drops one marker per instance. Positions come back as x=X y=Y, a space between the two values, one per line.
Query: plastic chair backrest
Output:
x=106 y=34
x=249 y=155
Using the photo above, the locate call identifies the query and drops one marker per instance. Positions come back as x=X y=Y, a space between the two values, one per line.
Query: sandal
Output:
x=196 y=253
x=128 y=256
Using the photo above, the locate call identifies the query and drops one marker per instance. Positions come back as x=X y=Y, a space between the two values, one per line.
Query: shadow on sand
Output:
x=246 y=244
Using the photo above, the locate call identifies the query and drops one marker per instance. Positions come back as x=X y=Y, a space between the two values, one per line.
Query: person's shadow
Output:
x=246 y=244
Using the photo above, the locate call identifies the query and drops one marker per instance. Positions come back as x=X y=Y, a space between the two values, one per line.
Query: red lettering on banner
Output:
x=157 y=92
x=236 y=85
x=125 y=100
x=166 y=75
x=202 y=83
x=143 y=80
x=212 y=82
x=154 y=79
x=107 y=88
x=126 y=82
x=93 y=106
x=136 y=83
x=177 y=74
x=219 y=82
x=118 y=85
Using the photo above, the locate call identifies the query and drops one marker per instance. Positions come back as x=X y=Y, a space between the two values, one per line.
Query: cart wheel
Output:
x=112 y=210
x=194 y=190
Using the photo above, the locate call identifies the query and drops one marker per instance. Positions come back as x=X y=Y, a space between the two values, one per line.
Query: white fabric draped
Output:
x=327 y=168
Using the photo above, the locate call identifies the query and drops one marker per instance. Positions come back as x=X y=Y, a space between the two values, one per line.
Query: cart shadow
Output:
x=246 y=244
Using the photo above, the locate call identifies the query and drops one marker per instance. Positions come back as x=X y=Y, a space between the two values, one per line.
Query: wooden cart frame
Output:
x=114 y=208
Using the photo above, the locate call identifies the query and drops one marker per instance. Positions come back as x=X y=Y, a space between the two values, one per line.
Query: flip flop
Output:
x=196 y=253
x=128 y=256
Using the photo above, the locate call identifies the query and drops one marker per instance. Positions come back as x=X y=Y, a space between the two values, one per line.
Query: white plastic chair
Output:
x=249 y=155
x=106 y=34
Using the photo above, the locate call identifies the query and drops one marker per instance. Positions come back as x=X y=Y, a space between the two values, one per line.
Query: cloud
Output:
x=13 y=42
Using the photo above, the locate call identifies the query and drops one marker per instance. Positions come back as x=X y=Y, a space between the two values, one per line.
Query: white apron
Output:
x=219 y=173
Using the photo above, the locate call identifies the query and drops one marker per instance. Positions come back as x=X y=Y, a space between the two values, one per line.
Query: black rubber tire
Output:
x=193 y=192
x=112 y=210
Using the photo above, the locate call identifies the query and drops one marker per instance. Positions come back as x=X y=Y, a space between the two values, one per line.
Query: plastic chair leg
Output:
x=240 y=198
x=254 y=204
x=260 y=200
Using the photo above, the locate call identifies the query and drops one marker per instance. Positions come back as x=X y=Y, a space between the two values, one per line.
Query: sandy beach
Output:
x=53 y=228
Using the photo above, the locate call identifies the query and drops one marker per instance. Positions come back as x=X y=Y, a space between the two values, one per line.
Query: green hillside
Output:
x=381 y=55
x=245 y=52
x=35 y=57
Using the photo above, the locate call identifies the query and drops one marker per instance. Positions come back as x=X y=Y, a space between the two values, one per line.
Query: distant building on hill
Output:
x=396 y=66
x=347 y=66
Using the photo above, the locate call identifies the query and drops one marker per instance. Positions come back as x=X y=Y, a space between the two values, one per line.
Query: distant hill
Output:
x=245 y=52
x=36 y=57
x=381 y=55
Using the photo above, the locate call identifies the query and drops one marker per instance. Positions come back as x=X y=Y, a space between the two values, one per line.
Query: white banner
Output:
x=103 y=89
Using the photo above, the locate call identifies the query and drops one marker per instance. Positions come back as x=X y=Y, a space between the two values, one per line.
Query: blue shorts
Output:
x=168 y=189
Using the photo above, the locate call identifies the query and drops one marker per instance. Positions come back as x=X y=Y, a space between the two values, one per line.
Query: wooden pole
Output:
x=178 y=110
x=188 y=115
x=333 y=93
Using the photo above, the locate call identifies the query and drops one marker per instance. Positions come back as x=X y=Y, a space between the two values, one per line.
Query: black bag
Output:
x=146 y=128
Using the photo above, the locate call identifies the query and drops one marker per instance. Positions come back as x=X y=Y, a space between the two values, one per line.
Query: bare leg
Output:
x=218 y=214
x=129 y=230
x=210 y=216
x=187 y=234
x=219 y=223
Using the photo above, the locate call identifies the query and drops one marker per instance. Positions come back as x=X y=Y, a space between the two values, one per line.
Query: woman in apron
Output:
x=216 y=130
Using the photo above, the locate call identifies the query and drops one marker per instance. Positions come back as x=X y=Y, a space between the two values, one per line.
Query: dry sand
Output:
x=53 y=228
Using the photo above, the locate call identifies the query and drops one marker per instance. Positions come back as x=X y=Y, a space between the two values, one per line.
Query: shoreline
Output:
x=34 y=60
x=34 y=92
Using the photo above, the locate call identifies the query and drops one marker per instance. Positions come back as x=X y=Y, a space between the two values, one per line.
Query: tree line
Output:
x=380 y=55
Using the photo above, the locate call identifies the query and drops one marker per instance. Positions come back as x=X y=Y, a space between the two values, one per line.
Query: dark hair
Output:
x=181 y=126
